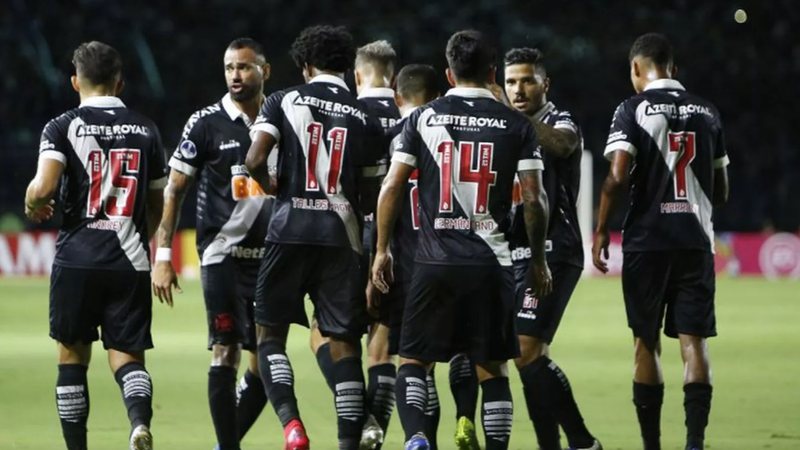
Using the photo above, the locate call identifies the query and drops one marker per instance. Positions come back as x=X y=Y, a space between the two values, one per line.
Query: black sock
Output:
x=325 y=363
x=250 y=401
x=380 y=392
x=137 y=392
x=697 y=404
x=222 y=403
x=433 y=411
x=544 y=423
x=411 y=392
x=464 y=386
x=278 y=378
x=549 y=385
x=648 y=399
x=72 y=402
x=497 y=413
x=350 y=401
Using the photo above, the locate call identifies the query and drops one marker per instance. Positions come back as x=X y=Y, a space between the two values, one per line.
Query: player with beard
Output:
x=467 y=147
x=548 y=395
x=109 y=164
x=232 y=217
x=328 y=153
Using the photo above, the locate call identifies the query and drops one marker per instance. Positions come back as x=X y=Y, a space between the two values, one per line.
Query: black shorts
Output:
x=117 y=301
x=460 y=309
x=673 y=287
x=540 y=317
x=331 y=276
x=390 y=312
x=229 y=290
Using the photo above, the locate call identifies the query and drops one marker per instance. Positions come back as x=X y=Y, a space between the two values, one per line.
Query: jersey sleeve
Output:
x=270 y=117
x=565 y=121
x=190 y=154
x=530 y=155
x=720 y=152
x=53 y=143
x=623 y=127
x=406 y=146
x=157 y=165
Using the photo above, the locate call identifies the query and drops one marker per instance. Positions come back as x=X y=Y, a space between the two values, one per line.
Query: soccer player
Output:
x=547 y=392
x=668 y=145
x=314 y=237
x=467 y=147
x=232 y=217
x=110 y=163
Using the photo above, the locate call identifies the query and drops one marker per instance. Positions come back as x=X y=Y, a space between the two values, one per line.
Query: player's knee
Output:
x=77 y=353
x=531 y=349
x=278 y=334
x=491 y=369
x=226 y=355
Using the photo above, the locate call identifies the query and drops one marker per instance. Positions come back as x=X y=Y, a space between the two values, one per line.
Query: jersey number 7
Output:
x=682 y=143
x=122 y=173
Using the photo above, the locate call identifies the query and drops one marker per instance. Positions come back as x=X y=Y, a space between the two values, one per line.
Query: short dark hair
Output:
x=324 y=47
x=246 y=42
x=417 y=79
x=526 y=55
x=97 y=62
x=469 y=55
x=653 y=46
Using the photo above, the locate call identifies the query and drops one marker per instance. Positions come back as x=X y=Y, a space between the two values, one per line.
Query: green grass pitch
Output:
x=755 y=360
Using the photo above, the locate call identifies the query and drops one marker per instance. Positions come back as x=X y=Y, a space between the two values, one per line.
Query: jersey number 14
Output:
x=482 y=175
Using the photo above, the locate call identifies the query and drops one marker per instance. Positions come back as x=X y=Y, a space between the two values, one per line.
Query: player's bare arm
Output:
x=389 y=205
x=536 y=218
x=616 y=182
x=721 y=188
x=256 y=160
x=41 y=190
x=557 y=142
x=164 y=276
x=155 y=207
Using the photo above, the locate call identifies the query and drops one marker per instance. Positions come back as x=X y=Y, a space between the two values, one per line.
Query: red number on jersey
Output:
x=414 y=193
x=123 y=168
x=446 y=176
x=682 y=143
x=337 y=137
x=484 y=176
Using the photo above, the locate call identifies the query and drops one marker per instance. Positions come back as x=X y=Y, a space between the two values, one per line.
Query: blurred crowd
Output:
x=173 y=66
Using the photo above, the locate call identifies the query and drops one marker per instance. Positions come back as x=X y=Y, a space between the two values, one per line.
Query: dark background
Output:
x=173 y=66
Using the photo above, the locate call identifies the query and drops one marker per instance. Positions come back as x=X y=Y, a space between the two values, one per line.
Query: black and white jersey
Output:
x=381 y=105
x=111 y=157
x=232 y=209
x=406 y=229
x=326 y=142
x=676 y=141
x=561 y=180
x=468 y=148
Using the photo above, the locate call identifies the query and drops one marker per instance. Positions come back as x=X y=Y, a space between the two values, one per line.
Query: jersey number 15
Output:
x=122 y=173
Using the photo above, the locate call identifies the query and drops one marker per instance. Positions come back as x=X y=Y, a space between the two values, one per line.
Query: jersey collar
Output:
x=471 y=92
x=234 y=112
x=543 y=111
x=379 y=92
x=102 y=101
x=408 y=112
x=664 y=83
x=327 y=78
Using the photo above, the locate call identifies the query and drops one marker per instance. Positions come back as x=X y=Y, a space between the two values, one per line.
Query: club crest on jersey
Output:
x=188 y=149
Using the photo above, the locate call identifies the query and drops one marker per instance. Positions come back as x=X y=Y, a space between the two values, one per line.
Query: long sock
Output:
x=222 y=402
x=325 y=363
x=648 y=399
x=380 y=392
x=137 y=392
x=549 y=384
x=697 y=404
x=464 y=386
x=432 y=412
x=544 y=423
x=278 y=378
x=497 y=413
x=350 y=399
x=250 y=401
x=411 y=392
x=72 y=403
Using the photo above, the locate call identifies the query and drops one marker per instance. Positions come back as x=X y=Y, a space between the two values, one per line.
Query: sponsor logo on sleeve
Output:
x=188 y=149
x=46 y=145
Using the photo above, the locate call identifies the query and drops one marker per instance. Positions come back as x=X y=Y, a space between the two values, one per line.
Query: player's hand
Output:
x=373 y=299
x=541 y=279
x=164 y=278
x=40 y=213
x=600 y=251
x=382 y=272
